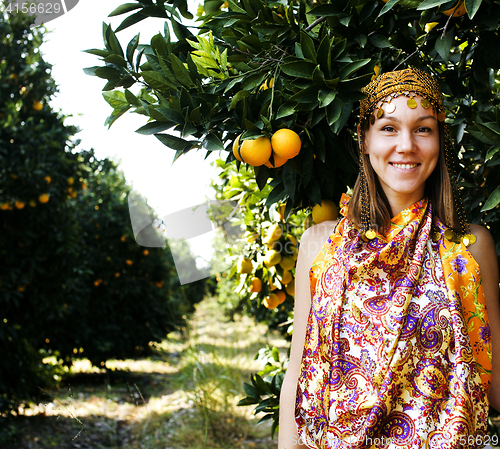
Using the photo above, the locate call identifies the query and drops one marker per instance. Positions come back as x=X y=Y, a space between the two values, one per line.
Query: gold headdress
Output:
x=411 y=83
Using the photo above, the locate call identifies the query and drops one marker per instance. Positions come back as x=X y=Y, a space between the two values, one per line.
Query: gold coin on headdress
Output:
x=370 y=234
x=412 y=103
x=465 y=240
x=449 y=234
x=380 y=113
x=390 y=108
x=372 y=119
x=436 y=236
x=441 y=116
x=424 y=103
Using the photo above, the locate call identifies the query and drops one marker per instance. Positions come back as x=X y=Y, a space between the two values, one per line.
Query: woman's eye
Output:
x=388 y=128
x=424 y=129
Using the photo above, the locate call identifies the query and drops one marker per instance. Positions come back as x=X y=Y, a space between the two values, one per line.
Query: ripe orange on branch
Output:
x=327 y=210
x=255 y=152
x=286 y=143
x=460 y=11
x=272 y=301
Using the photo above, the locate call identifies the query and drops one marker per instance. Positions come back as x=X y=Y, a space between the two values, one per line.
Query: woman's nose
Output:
x=405 y=141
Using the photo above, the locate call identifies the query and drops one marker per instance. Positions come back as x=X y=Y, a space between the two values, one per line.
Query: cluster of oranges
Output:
x=280 y=259
x=43 y=197
x=284 y=144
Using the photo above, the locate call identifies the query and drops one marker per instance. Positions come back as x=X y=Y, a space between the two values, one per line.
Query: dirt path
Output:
x=183 y=396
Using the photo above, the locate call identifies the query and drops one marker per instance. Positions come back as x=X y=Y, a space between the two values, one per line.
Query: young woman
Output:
x=397 y=321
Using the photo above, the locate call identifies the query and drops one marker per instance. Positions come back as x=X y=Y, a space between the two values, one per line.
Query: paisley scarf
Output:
x=397 y=350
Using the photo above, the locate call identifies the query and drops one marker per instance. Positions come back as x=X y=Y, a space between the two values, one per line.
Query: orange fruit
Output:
x=287 y=263
x=236 y=144
x=37 y=106
x=256 y=152
x=70 y=180
x=278 y=161
x=48 y=179
x=145 y=252
x=32 y=203
x=281 y=296
x=272 y=258
x=290 y=288
x=256 y=286
x=458 y=13
x=43 y=198
x=73 y=194
x=272 y=301
x=286 y=278
x=19 y=205
x=286 y=143
x=327 y=210
x=245 y=266
x=129 y=262
x=4 y=206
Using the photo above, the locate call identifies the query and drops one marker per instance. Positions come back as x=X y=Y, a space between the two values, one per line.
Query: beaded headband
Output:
x=409 y=82
x=412 y=83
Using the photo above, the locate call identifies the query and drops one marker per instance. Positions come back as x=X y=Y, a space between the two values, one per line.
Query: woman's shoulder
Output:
x=483 y=249
x=316 y=236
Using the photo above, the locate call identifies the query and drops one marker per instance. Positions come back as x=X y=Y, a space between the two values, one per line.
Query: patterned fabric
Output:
x=397 y=349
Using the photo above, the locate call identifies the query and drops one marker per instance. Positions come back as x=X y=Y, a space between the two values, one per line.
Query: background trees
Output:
x=256 y=66
x=73 y=282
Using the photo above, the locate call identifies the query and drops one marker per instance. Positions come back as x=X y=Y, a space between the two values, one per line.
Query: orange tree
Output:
x=254 y=67
x=73 y=282
x=39 y=248
x=131 y=294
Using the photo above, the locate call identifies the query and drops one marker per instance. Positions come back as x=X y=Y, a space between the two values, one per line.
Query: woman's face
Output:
x=403 y=147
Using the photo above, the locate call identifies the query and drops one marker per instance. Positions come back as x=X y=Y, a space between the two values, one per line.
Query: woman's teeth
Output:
x=405 y=166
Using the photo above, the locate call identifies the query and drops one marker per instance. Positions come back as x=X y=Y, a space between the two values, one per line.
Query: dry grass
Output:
x=184 y=396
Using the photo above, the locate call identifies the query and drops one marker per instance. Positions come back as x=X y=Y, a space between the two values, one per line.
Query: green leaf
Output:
x=180 y=71
x=175 y=143
x=115 y=59
x=131 y=20
x=328 y=10
x=239 y=96
x=349 y=69
x=333 y=111
x=113 y=42
x=379 y=41
x=302 y=69
x=443 y=46
x=387 y=7
x=171 y=115
x=156 y=80
x=325 y=97
x=308 y=48
x=250 y=391
x=492 y=201
x=276 y=194
x=308 y=95
x=289 y=181
x=154 y=127
x=97 y=52
x=115 y=115
x=472 y=6
x=116 y=99
x=253 y=81
x=428 y=4
x=132 y=47
x=213 y=143
x=125 y=8
x=285 y=110
x=490 y=130
x=491 y=153
x=107 y=73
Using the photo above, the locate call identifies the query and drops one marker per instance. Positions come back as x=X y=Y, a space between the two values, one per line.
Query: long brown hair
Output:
x=438 y=189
